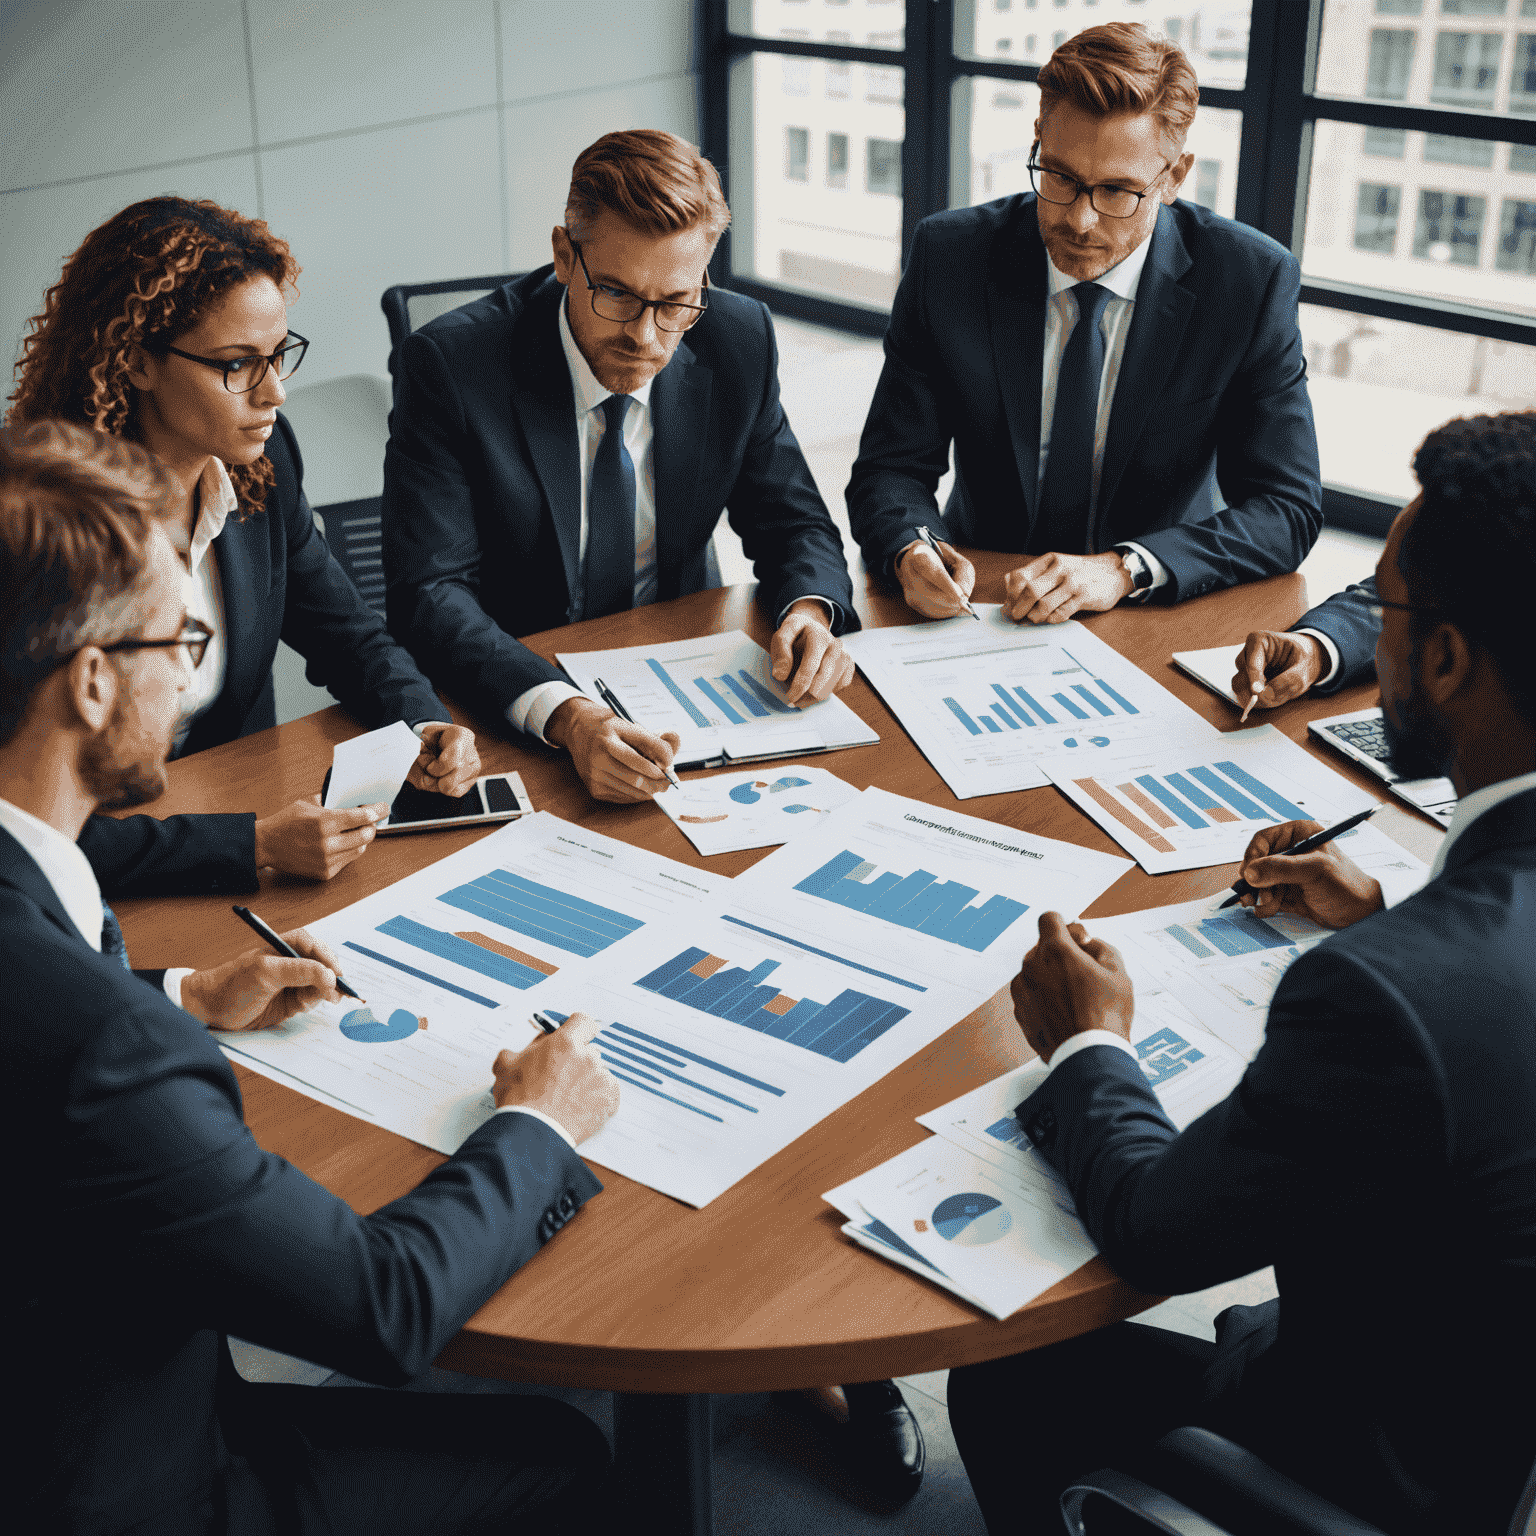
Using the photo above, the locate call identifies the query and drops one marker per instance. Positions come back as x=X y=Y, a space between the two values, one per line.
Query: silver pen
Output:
x=933 y=544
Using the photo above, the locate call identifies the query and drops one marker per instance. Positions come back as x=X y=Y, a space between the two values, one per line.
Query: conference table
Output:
x=759 y=1290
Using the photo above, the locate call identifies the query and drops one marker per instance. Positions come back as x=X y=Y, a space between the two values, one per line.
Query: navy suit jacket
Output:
x=280 y=581
x=1211 y=458
x=149 y=1224
x=1380 y=1152
x=482 y=483
x=1346 y=619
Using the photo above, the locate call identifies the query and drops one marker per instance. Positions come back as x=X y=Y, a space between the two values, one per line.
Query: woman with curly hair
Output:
x=169 y=326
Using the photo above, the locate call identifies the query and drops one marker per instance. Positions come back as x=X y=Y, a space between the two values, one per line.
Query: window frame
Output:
x=1280 y=108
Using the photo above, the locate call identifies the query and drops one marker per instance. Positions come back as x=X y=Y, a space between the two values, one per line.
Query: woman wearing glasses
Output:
x=169 y=326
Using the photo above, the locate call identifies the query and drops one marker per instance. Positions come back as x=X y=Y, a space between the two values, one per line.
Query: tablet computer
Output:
x=492 y=797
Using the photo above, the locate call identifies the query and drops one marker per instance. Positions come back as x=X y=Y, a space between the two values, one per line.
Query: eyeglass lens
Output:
x=1114 y=202
x=670 y=317
x=243 y=374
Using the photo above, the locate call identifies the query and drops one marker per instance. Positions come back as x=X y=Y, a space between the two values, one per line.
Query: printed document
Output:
x=756 y=809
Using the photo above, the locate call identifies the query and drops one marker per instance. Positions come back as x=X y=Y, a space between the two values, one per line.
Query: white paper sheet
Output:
x=1182 y=804
x=718 y=693
x=987 y=702
x=1214 y=667
x=369 y=769
x=759 y=808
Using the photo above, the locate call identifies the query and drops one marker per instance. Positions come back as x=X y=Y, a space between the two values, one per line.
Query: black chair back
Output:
x=408 y=306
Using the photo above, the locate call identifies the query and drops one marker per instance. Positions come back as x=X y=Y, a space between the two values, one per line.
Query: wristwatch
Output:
x=1135 y=563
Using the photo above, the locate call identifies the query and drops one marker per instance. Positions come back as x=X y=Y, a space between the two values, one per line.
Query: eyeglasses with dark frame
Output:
x=248 y=371
x=1117 y=202
x=194 y=636
x=628 y=307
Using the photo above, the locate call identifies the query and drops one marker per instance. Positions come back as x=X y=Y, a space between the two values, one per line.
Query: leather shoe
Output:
x=884 y=1442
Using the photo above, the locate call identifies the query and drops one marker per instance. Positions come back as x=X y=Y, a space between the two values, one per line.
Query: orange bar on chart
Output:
x=1151 y=838
x=507 y=952
x=707 y=967
x=1147 y=803
x=780 y=1005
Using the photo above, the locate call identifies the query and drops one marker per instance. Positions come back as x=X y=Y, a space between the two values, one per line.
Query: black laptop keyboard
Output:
x=1364 y=735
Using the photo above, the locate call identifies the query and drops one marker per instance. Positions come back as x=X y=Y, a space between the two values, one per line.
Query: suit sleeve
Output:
x=344 y=643
x=1266 y=463
x=179 y=856
x=1346 y=619
x=432 y=543
x=904 y=450
x=1339 y=1112
x=775 y=508
x=235 y=1238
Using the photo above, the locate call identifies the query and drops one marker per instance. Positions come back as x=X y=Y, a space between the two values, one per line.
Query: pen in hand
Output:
x=1311 y=844
x=933 y=544
x=1258 y=688
x=611 y=699
x=281 y=946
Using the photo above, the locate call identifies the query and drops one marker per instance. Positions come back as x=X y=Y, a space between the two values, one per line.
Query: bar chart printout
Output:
x=918 y=901
x=557 y=917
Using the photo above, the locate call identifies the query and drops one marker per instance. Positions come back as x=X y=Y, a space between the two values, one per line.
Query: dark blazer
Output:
x=280 y=581
x=1346 y=619
x=1380 y=1152
x=149 y=1224
x=482 y=483
x=1211 y=458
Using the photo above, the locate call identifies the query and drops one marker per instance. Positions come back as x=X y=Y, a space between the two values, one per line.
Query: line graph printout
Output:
x=987 y=702
x=719 y=695
x=452 y=960
x=1179 y=804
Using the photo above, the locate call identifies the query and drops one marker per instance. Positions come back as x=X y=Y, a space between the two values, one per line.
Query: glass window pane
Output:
x=1450 y=196
x=816 y=179
x=864 y=23
x=1379 y=387
x=1214 y=37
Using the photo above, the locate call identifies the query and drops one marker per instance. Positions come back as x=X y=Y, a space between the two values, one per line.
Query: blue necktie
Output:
x=609 y=577
x=113 y=944
x=1066 y=493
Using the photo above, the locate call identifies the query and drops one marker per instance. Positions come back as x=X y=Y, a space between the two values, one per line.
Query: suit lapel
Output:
x=1016 y=296
x=679 y=418
x=1157 y=327
x=1508 y=824
x=19 y=869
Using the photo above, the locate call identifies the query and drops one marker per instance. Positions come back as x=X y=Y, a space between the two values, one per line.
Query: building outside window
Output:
x=1391 y=62
x=797 y=154
x=1517 y=238
x=1207 y=182
x=1376 y=217
x=1472 y=7
x=882 y=167
x=1466 y=68
x=1399 y=7
x=1389 y=143
x=1522 y=79
x=1449 y=228
x=837 y=159
x=1444 y=149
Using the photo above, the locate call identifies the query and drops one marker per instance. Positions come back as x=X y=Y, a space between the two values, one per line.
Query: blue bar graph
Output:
x=1098 y=682
x=1009 y=708
x=749 y=700
x=693 y=711
x=916 y=901
x=1070 y=707
x=1092 y=698
x=1239 y=802
x=541 y=912
x=767 y=696
x=1029 y=699
x=826 y=954
x=473 y=957
x=410 y=970
x=1262 y=791
x=992 y=725
x=1008 y=1130
x=1162 y=793
x=1164 y=1054
x=963 y=718
x=719 y=703
x=1003 y=715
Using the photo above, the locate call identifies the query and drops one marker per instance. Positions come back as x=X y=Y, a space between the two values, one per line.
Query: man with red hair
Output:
x=1120 y=373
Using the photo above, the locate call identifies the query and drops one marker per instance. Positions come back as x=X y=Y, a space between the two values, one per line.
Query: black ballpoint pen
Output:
x=611 y=699
x=926 y=535
x=276 y=942
x=1311 y=844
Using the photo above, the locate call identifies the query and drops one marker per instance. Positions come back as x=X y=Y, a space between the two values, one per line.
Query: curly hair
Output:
x=1469 y=555
x=142 y=279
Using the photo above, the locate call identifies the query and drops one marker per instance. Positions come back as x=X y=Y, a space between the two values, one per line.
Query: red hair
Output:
x=653 y=180
x=144 y=278
x=1121 y=68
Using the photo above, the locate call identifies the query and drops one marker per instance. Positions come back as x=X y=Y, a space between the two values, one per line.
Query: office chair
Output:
x=1212 y=1480
x=408 y=306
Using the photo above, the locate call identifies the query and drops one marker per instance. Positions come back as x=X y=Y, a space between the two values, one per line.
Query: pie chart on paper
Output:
x=972 y=1219
x=362 y=1026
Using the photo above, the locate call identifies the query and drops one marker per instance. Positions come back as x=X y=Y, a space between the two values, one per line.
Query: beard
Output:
x=1419 y=746
x=124 y=765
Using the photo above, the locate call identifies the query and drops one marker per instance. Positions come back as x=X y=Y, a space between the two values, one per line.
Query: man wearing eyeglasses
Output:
x=1120 y=374
x=562 y=449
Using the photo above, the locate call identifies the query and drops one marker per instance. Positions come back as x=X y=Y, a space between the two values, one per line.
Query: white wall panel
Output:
x=547 y=47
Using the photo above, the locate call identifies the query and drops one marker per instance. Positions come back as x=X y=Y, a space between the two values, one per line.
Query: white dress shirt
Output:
x=205 y=596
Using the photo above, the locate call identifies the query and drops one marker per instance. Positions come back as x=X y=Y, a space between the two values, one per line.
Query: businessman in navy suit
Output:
x=1332 y=646
x=562 y=449
x=1380 y=1151
x=1120 y=374
x=149 y=1224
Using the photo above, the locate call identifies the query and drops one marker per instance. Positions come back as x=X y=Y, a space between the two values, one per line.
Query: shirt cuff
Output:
x=834 y=613
x=421 y=725
x=1081 y=1042
x=530 y=711
x=173 y=980
x=1158 y=569
x=538 y=1114
x=1330 y=652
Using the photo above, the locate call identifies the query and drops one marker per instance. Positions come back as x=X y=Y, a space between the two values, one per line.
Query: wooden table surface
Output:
x=759 y=1290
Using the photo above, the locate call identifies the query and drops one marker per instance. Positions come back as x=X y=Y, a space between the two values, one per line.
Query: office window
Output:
x=882 y=167
x=1522 y=78
x=1385 y=142
x=1005 y=45
x=1517 y=238
x=839 y=81
x=1029 y=46
x=1466 y=68
x=1376 y=212
x=1522 y=157
x=1443 y=149
x=1449 y=228
x=882 y=84
x=797 y=76
x=1472 y=7
x=1008 y=101
x=1057 y=39
x=797 y=154
x=1391 y=62
x=1399 y=7
x=1207 y=182
x=1002 y=5
x=1174 y=27
x=763 y=18
x=837 y=159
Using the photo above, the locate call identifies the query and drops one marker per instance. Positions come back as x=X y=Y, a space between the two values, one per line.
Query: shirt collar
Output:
x=64 y=867
x=584 y=385
x=216 y=500
x=1478 y=803
x=1121 y=280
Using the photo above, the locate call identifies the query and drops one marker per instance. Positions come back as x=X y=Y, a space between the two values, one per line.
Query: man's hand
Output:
x=304 y=839
x=1051 y=588
x=935 y=588
x=560 y=1075
x=259 y=989
x=449 y=763
x=1278 y=667
x=616 y=760
x=1070 y=983
x=1327 y=886
x=804 y=645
